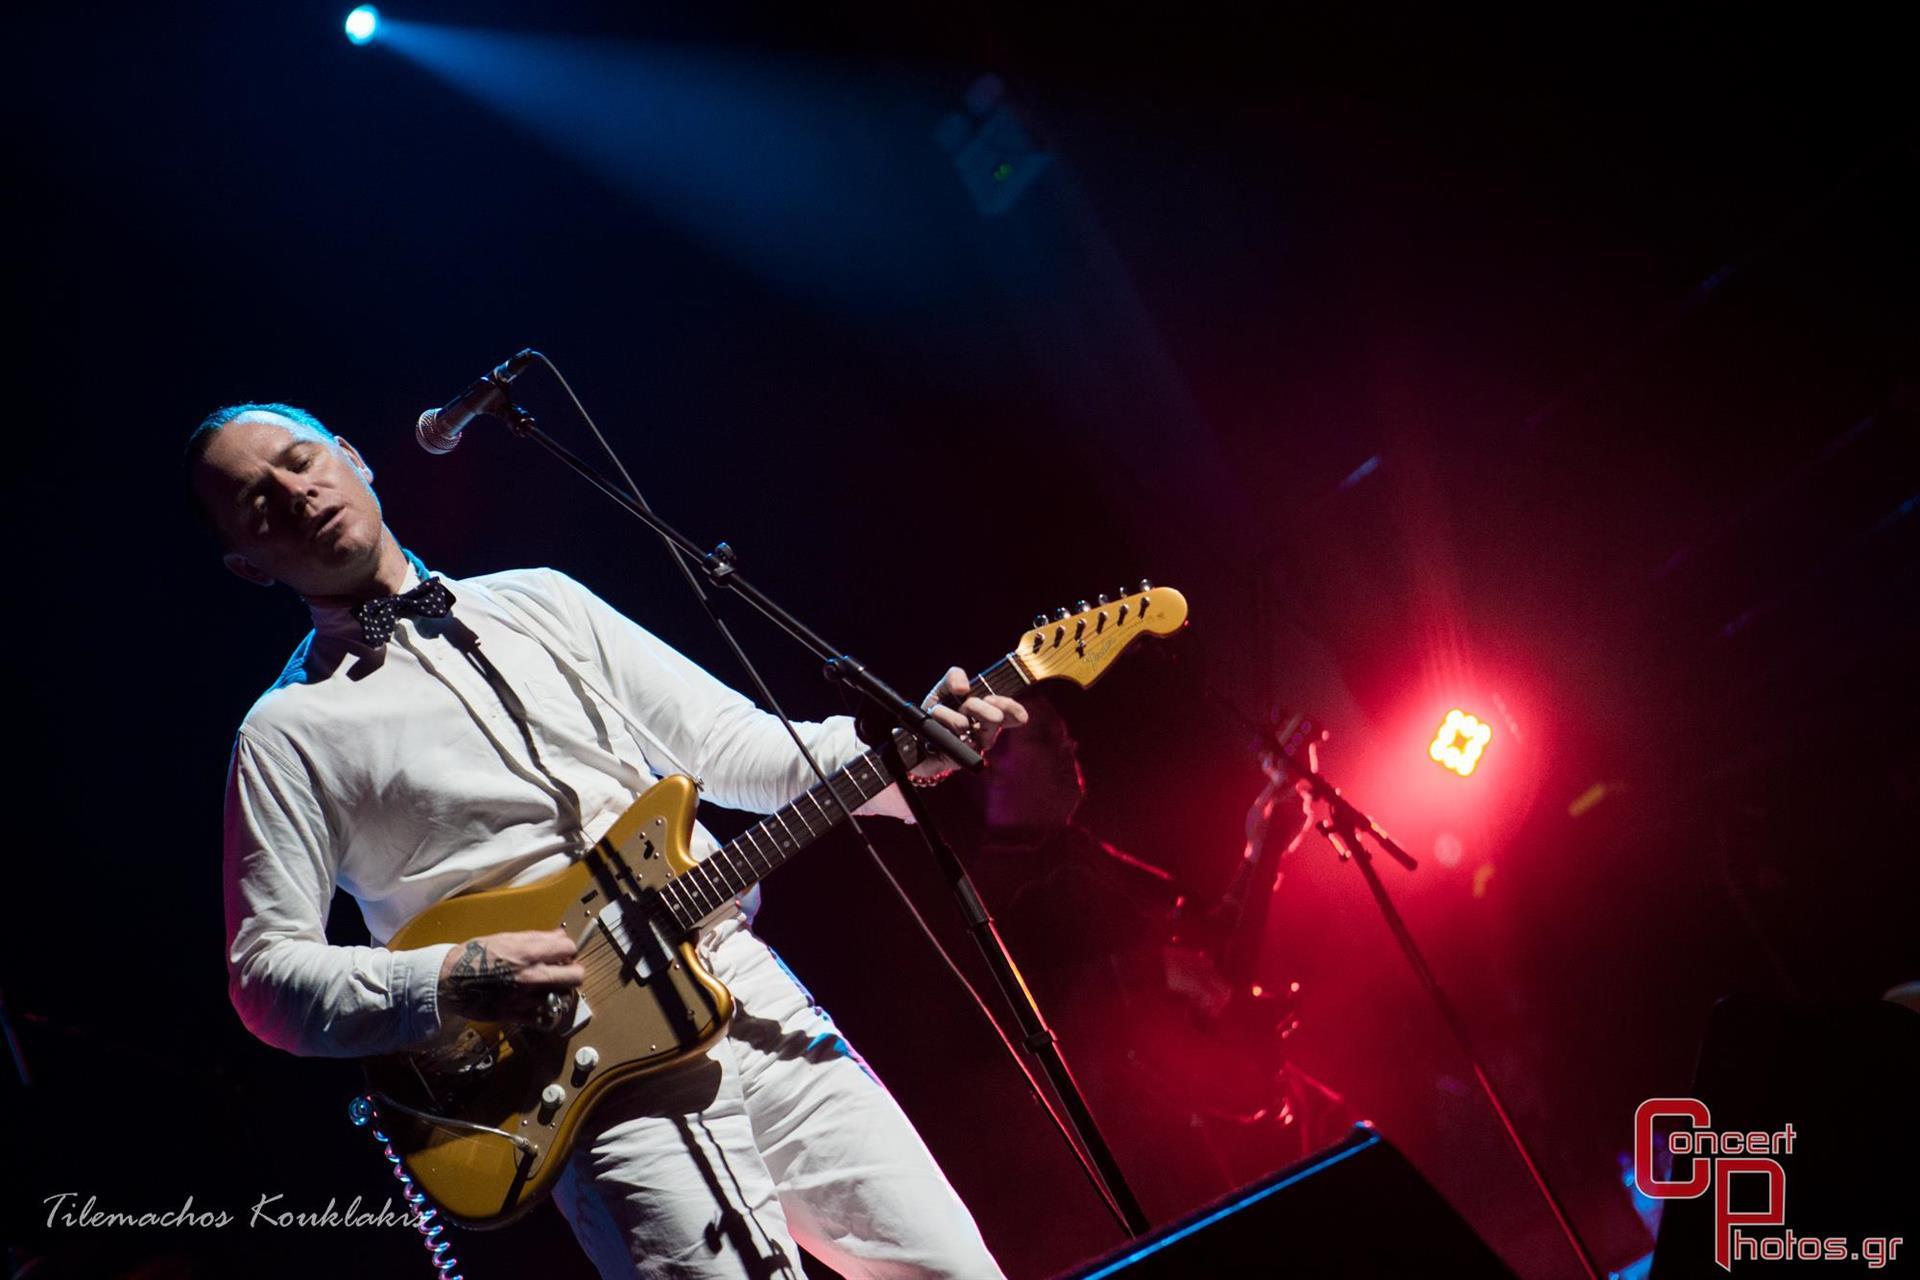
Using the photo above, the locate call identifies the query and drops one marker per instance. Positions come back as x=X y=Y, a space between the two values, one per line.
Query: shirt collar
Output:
x=336 y=621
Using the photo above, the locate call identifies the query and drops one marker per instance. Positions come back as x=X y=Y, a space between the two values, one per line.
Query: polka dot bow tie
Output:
x=430 y=599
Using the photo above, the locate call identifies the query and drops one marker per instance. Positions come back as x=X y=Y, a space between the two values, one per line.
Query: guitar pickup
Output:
x=638 y=935
x=633 y=959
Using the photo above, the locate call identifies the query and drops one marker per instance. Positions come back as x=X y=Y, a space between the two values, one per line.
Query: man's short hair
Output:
x=211 y=426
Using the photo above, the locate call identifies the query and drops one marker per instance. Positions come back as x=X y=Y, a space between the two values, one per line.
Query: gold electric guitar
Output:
x=484 y=1117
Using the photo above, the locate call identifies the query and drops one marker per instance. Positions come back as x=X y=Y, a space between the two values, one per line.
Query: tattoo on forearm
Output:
x=478 y=981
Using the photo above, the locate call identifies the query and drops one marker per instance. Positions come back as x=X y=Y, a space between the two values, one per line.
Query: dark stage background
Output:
x=1562 y=373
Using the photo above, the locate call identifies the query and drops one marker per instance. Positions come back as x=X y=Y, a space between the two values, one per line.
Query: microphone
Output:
x=439 y=429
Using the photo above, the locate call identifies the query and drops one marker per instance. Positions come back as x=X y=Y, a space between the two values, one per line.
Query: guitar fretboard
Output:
x=755 y=853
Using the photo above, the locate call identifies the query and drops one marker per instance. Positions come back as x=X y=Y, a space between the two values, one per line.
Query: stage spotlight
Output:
x=1461 y=739
x=362 y=23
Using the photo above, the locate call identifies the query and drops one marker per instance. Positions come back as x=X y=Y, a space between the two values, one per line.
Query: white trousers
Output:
x=781 y=1133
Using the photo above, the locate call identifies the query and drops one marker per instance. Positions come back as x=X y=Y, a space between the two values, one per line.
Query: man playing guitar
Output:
x=430 y=737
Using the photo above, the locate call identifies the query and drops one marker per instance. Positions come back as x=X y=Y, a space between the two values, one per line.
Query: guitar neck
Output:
x=757 y=852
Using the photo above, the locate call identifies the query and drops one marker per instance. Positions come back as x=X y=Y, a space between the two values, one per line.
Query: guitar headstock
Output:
x=1080 y=645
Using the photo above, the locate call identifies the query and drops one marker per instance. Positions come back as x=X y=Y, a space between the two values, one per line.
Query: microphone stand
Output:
x=1342 y=829
x=719 y=566
x=1096 y=1157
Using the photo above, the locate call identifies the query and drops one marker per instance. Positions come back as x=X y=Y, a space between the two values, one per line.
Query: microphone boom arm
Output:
x=721 y=570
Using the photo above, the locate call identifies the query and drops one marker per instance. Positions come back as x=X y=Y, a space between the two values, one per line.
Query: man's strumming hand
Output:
x=507 y=977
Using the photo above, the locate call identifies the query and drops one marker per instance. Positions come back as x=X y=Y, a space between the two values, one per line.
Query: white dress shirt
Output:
x=396 y=773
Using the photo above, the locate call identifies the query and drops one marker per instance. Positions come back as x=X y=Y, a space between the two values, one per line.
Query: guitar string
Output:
x=603 y=960
x=748 y=847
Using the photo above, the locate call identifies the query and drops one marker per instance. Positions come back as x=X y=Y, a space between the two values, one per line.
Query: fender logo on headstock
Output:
x=1081 y=645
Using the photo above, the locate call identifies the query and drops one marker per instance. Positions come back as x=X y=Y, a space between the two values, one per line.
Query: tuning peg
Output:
x=1060 y=614
x=1081 y=606
x=1144 y=585
x=1100 y=599
x=1039 y=620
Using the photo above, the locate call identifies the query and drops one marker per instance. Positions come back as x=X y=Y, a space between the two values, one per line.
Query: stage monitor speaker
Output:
x=1355 y=1209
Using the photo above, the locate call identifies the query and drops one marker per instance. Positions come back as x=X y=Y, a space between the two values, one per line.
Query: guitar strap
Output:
x=532 y=631
x=462 y=638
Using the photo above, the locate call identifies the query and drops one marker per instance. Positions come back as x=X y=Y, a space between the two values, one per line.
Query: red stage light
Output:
x=1461 y=739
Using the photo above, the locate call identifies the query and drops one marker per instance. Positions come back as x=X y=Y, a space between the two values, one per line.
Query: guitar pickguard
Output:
x=484 y=1118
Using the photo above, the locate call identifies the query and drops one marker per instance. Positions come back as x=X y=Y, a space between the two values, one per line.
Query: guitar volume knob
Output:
x=585 y=1058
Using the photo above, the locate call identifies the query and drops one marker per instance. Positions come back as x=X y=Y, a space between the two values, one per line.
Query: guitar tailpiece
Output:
x=365 y=1114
